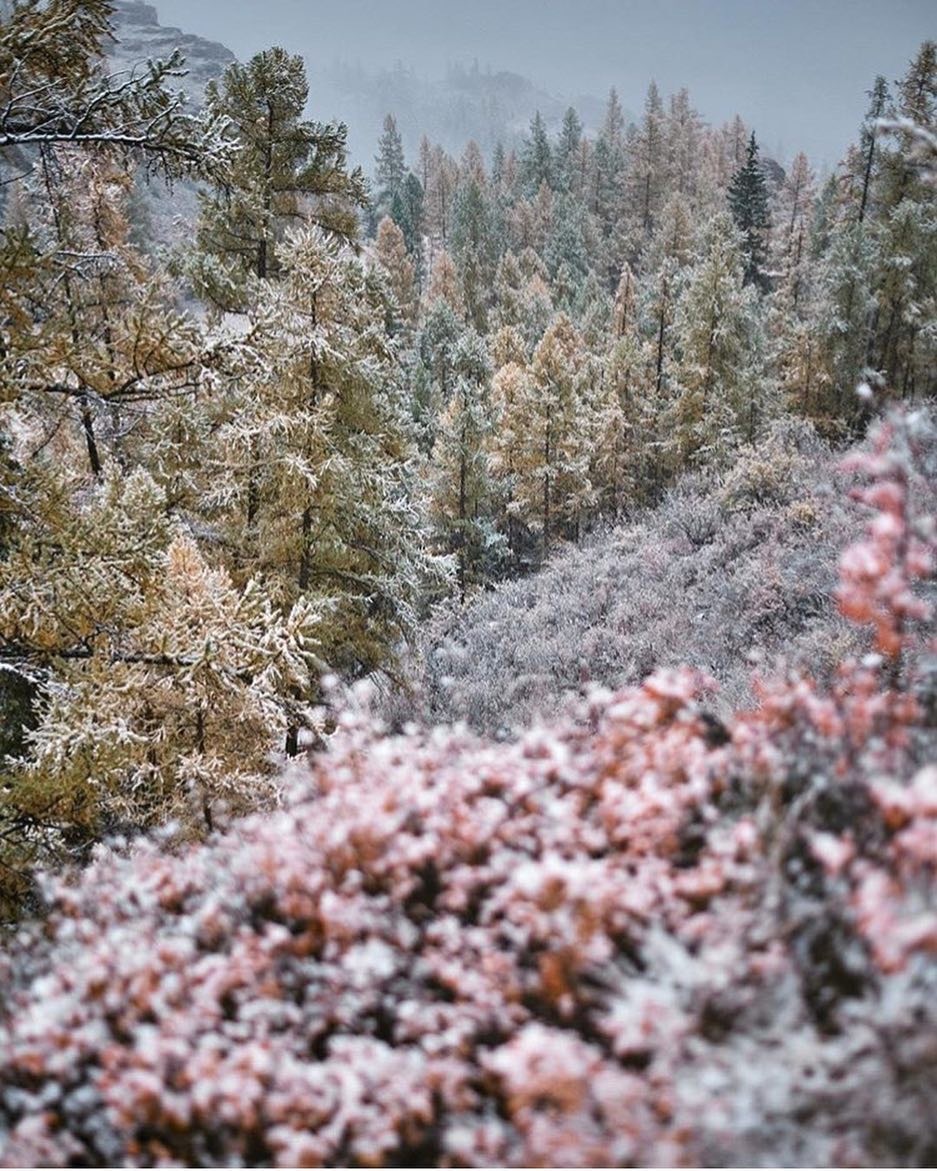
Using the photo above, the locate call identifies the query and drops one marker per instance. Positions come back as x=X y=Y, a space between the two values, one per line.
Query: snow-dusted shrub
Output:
x=643 y=937
x=728 y=569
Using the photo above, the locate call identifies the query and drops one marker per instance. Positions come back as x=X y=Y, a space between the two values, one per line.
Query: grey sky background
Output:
x=797 y=70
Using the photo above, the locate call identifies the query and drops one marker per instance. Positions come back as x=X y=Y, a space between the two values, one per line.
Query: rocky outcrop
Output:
x=140 y=37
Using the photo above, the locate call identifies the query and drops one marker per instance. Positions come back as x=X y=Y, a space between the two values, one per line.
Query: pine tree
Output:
x=568 y=152
x=286 y=170
x=748 y=202
x=536 y=163
x=473 y=244
x=391 y=168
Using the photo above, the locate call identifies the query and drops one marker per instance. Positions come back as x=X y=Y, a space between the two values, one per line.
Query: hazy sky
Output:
x=797 y=70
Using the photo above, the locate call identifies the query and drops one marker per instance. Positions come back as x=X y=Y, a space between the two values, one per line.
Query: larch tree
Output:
x=316 y=460
x=445 y=284
x=461 y=504
x=390 y=252
x=56 y=90
x=553 y=481
x=683 y=132
x=647 y=171
x=512 y=397
x=905 y=228
x=716 y=397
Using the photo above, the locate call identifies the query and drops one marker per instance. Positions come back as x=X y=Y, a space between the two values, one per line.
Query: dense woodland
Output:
x=487 y=437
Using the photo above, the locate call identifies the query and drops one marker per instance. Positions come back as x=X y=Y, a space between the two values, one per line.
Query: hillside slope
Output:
x=731 y=572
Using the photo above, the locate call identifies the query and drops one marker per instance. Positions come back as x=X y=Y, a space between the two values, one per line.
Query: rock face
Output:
x=164 y=218
x=141 y=37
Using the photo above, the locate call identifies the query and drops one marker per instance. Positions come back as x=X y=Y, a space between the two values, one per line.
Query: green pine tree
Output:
x=748 y=202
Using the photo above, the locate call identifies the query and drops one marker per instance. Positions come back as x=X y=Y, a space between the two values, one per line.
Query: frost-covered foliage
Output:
x=641 y=938
x=729 y=568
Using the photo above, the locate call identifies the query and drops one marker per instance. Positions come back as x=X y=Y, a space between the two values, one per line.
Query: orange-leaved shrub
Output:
x=641 y=937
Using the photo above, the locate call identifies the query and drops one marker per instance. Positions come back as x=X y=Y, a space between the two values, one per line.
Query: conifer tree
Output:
x=683 y=133
x=717 y=396
x=552 y=484
x=446 y=285
x=473 y=243
x=878 y=105
x=536 y=162
x=391 y=169
x=748 y=202
x=461 y=502
x=440 y=186
x=390 y=251
x=905 y=228
x=512 y=397
x=408 y=212
x=568 y=152
x=57 y=91
x=286 y=170
x=648 y=162
x=316 y=482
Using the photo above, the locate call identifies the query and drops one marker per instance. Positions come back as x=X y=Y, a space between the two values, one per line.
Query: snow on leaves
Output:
x=563 y=950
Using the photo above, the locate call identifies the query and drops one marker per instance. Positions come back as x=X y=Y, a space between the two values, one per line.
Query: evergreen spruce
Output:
x=748 y=202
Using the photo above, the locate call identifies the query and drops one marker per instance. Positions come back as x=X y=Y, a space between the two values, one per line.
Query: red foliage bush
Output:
x=639 y=938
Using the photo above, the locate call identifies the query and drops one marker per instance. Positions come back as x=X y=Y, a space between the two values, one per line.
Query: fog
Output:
x=796 y=70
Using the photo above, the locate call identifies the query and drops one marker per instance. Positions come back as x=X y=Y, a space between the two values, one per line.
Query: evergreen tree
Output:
x=536 y=163
x=569 y=152
x=748 y=202
x=473 y=244
x=286 y=169
x=390 y=169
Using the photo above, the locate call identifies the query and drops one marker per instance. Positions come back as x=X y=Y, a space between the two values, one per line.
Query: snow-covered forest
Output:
x=467 y=662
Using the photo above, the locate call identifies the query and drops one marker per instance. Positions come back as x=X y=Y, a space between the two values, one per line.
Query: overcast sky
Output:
x=797 y=70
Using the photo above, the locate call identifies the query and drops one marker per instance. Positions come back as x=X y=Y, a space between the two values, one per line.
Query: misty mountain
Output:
x=468 y=102
x=471 y=102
